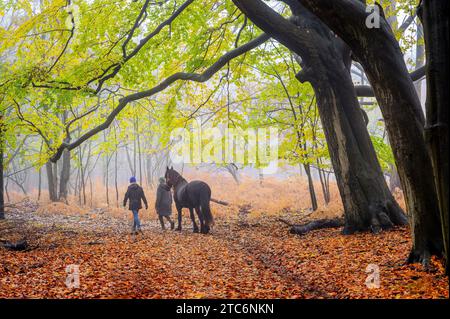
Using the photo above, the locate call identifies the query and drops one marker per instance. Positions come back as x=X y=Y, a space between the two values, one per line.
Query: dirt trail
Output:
x=259 y=261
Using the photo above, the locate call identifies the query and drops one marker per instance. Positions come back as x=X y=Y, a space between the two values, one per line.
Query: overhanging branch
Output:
x=367 y=91
x=196 y=77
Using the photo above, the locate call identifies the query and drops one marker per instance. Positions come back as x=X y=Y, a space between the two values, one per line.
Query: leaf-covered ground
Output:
x=258 y=259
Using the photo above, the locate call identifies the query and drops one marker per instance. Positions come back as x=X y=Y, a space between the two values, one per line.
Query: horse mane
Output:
x=178 y=177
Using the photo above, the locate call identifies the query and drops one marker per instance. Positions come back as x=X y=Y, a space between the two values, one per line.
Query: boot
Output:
x=161 y=220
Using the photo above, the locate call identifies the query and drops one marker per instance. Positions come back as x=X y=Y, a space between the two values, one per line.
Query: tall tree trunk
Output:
x=135 y=150
x=115 y=171
x=65 y=176
x=39 y=183
x=51 y=181
x=379 y=53
x=149 y=170
x=90 y=189
x=368 y=203
x=108 y=159
x=40 y=174
x=55 y=178
x=324 y=182
x=312 y=192
x=115 y=179
x=65 y=169
x=2 y=198
x=77 y=185
x=6 y=190
x=435 y=20
x=130 y=162
x=82 y=179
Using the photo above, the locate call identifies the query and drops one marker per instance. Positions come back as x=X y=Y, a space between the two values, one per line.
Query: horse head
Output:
x=171 y=176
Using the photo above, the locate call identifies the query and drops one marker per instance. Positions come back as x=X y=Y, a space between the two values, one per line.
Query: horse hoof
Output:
x=195 y=230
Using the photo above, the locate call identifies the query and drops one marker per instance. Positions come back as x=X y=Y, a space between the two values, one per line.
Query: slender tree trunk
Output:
x=55 y=178
x=149 y=170
x=135 y=150
x=90 y=190
x=115 y=179
x=435 y=20
x=65 y=176
x=324 y=184
x=130 y=162
x=327 y=174
x=6 y=191
x=312 y=192
x=77 y=185
x=39 y=183
x=40 y=175
x=2 y=199
x=420 y=55
x=108 y=158
x=82 y=179
x=65 y=169
x=139 y=152
x=51 y=181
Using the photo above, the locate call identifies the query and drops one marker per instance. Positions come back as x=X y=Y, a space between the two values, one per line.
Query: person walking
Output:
x=135 y=195
x=163 y=204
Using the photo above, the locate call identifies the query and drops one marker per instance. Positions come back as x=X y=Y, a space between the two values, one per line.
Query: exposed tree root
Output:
x=423 y=257
x=317 y=224
x=383 y=216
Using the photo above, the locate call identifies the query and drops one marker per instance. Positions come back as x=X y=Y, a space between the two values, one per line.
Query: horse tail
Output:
x=206 y=211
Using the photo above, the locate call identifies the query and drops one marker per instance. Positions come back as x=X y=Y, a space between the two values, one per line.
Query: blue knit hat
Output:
x=132 y=179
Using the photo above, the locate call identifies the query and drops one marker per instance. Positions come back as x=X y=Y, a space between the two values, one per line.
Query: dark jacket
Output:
x=135 y=193
x=163 y=204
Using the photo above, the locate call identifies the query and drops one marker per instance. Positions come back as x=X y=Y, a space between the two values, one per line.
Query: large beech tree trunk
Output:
x=379 y=53
x=435 y=20
x=368 y=203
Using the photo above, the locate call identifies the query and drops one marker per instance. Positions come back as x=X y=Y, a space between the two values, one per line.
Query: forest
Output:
x=224 y=149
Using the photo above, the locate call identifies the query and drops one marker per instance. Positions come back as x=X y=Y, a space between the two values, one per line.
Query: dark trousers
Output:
x=136 y=221
x=161 y=220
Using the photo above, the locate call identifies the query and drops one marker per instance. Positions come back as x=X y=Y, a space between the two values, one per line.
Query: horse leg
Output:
x=202 y=220
x=191 y=211
x=179 y=218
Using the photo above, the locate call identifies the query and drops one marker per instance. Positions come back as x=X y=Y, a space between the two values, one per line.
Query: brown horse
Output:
x=194 y=195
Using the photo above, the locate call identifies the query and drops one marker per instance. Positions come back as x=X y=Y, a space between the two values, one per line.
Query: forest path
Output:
x=260 y=260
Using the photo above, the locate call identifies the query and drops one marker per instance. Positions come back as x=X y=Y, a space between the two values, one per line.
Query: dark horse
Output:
x=194 y=195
